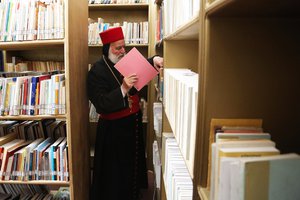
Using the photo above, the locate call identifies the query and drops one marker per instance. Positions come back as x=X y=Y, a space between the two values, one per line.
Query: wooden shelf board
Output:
x=127 y=45
x=137 y=6
x=27 y=45
x=249 y=8
x=33 y=117
x=41 y=182
x=188 y=31
x=203 y=193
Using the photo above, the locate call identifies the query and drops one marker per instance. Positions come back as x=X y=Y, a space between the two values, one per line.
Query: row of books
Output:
x=157 y=118
x=159 y=24
x=177 y=12
x=31 y=20
x=39 y=159
x=117 y=1
x=177 y=179
x=32 y=192
x=245 y=165
x=156 y=163
x=21 y=191
x=159 y=86
x=33 y=95
x=31 y=130
x=180 y=103
x=93 y=115
x=134 y=32
x=40 y=66
x=144 y=109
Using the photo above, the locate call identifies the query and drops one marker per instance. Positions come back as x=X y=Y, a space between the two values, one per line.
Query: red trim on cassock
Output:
x=125 y=112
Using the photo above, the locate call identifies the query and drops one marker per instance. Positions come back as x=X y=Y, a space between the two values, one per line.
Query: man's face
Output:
x=116 y=51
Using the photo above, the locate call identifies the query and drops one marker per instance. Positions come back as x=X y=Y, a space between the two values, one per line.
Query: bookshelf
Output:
x=181 y=49
x=73 y=51
x=247 y=47
x=241 y=51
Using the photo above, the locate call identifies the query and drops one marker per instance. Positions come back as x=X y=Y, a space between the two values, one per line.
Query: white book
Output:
x=225 y=178
x=61 y=148
x=270 y=178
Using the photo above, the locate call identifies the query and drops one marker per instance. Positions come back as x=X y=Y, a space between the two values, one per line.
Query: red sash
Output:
x=125 y=112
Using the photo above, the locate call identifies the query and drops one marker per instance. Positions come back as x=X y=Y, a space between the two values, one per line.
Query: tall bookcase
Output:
x=135 y=12
x=249 y=68
x=247 y=56
x=181 y=49
x=72 y=50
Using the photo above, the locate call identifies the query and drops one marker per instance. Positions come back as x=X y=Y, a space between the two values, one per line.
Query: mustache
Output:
x=121 y=55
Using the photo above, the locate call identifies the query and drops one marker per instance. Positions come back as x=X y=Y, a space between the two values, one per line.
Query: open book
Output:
x=134 y=62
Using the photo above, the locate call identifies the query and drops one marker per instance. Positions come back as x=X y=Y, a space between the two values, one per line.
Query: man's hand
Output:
x=128 y=82
x=158 y=62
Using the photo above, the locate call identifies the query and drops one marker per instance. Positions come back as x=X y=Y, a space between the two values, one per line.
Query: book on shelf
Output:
x=156 y=164
x=60 y=157
x=29 y=21
x=6 y=151
x=52 y=158
x=7 y=161
x=242 y=136
x=33 y=94
x=157 y=118
x=5 y=196
x=135 y=63
x=37 y=154
x=180 y=102
x=215 y=125
x=270 y=178
x=6 y=126
x=176 y=175
x=24 y=167
x=7 y=138
x=62 y=193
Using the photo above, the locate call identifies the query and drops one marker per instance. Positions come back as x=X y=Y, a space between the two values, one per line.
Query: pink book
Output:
x=134 y=62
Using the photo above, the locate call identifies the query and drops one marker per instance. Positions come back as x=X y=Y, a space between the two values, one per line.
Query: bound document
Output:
x=135 y=62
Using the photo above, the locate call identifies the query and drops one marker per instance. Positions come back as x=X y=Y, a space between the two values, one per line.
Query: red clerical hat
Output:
x=111 y=35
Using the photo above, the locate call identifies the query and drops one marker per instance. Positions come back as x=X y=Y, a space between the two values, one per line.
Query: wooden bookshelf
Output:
x=247 y=57
x=243 y=39
x=188 y=31
x=181 y=49
x=203 y=193
x=135 y=6
x=29 y=45
x=128 y=45
x=43 y=182
x=72 y=50
x=230 y=8
x=33 y=117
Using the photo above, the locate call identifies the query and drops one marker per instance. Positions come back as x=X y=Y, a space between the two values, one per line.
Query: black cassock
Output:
x=119 y=164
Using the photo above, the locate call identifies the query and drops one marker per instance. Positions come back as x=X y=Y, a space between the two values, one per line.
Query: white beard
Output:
x=113 y=57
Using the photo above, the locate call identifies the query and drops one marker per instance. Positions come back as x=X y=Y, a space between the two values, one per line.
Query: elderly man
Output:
x=120 y=164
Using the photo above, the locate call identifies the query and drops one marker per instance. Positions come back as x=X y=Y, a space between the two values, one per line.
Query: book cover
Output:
x=135 y=63
x=268 y=178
